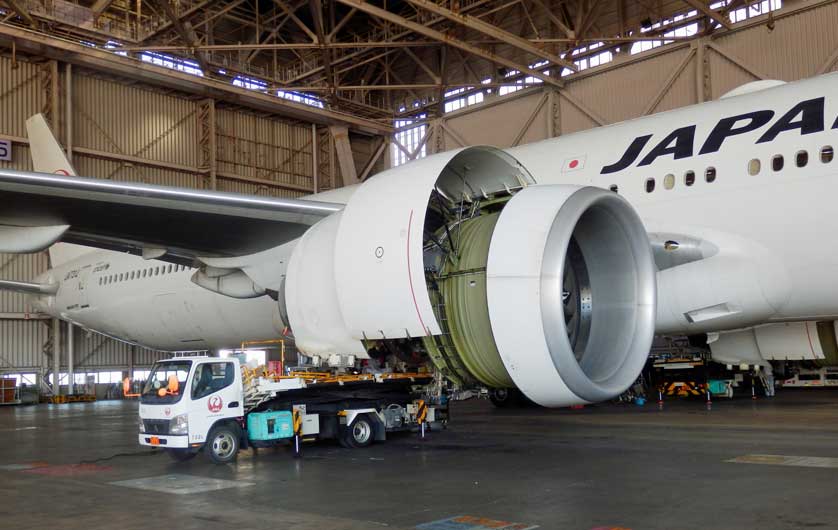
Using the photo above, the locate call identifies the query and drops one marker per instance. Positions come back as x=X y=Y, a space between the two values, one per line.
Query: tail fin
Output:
x=47 y=154
x=49 y=157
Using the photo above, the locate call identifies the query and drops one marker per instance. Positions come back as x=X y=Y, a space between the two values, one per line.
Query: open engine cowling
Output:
x=462 y=258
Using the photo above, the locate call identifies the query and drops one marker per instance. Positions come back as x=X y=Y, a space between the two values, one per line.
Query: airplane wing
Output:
x=172 y=224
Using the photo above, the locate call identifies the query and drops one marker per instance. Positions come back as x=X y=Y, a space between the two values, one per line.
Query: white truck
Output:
x=217 y=405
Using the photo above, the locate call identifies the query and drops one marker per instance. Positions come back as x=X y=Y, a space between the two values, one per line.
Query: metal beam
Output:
x=340 y=24
x=296 y=20
x=737 y=61
x=701 y=6
x=393 y=18
x=99 y=7
x=43 y=45
x=22 y=12
x=492 y=31
x=553 y=18
x=186 y=32
x=345 y=158
x=382 y=146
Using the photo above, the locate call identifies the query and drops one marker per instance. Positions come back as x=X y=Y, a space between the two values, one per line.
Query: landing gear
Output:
x=504 y=398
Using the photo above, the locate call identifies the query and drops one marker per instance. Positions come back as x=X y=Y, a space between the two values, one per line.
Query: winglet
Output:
x=47 y=154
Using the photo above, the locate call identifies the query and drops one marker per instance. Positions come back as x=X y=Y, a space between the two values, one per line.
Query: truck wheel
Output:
x=360 y=433
x=222 y=444
x=181 y=455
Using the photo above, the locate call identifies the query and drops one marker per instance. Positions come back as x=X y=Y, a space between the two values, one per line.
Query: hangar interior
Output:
x=286 y=98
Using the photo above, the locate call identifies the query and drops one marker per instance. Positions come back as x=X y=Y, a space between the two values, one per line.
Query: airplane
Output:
x=548 y=267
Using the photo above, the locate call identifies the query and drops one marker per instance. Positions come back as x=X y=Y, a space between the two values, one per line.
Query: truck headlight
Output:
x=179 y=425
x=140 y=423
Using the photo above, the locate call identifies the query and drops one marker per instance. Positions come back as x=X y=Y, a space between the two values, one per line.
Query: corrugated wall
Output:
x=798 y=47
x=21 y=341
x=261 y=148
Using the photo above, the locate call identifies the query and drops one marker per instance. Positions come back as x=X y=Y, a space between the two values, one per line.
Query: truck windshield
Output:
x=166 y=383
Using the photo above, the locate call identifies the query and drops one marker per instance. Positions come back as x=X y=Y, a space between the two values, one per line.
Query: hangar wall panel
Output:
x=116 y=170
x=121 y=119
x=264 y=148
x=20 y=95
x=800 y=45
x=797 y=48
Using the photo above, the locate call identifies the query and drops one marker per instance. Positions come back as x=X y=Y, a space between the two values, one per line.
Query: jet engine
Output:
x=499 y=282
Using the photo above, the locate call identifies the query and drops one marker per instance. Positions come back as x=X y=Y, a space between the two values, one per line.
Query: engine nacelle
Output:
x=500 y=282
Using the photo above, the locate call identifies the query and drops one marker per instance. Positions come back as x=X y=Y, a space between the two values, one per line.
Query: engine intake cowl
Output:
x=571 y=293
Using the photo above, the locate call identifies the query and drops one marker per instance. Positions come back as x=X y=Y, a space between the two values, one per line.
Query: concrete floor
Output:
x=601 y=467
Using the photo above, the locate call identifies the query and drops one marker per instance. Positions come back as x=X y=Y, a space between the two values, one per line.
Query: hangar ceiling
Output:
x=373 y=60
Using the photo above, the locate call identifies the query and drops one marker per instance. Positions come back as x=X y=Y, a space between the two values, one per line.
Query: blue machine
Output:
x=271 y=425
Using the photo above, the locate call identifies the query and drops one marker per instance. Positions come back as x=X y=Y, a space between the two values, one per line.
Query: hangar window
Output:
x=754 y=166
x=409 y=142
x=120 y=276
x=689 y=178
x=100 y=281
x=669 y=181
x=801 y=158
x=170 y=268
x=614 y=188
x=827 y=154
x=777 y=162
x=132 y=275
x=710 y=174
x=157 y=271
x=650 y=185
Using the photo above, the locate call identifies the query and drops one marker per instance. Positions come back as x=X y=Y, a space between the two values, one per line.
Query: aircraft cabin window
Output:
x=710 y=174
x=689 y=178
x=754 y=166
x=801 y=158
x=650 y=185
x=669 y=181
x=827 y=154
x=777 y=162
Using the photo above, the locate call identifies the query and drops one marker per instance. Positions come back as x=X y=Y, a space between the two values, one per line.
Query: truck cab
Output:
x=190 y=402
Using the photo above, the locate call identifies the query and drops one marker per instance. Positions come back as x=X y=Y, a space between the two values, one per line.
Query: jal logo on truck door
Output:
x=215 y=403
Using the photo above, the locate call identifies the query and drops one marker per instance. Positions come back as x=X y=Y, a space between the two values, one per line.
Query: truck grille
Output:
x=156 y=426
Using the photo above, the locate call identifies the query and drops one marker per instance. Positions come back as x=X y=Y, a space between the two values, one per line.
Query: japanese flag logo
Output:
x=573 y=164
x=214 y=404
